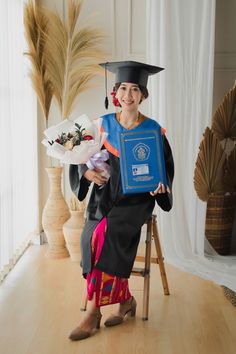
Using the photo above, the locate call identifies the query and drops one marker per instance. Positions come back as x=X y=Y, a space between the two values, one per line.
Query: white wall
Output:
x=225 y=49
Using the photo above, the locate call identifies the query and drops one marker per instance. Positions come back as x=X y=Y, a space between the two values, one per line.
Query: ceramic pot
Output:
x=55 y=214
x=72 y=231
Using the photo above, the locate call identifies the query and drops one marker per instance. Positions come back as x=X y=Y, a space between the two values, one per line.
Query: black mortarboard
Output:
x=130 y=71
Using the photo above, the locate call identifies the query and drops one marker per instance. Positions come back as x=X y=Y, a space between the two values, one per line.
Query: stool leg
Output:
x=84 y=300
x=159 y=256
x=147 y=271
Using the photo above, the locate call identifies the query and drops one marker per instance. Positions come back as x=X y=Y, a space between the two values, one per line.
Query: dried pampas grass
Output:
x=224 y=120
x=72 y=56
x=36 y=26
x=76 y=205
x=209 y=167
x=64 y=59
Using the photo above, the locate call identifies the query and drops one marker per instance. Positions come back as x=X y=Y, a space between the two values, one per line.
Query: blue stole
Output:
x=111 y=126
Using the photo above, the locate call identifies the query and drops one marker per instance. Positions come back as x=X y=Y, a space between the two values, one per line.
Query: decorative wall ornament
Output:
x=215 y=174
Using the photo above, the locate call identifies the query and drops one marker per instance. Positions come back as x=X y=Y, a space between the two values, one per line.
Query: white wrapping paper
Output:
x=80 y=153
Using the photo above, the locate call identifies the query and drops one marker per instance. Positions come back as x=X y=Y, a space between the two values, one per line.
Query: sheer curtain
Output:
x=180 y=38
x=18 y=140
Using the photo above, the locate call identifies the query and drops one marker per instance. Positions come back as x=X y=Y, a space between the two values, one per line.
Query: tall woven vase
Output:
x=55 y=214
x=72 y=229
x=219 y=222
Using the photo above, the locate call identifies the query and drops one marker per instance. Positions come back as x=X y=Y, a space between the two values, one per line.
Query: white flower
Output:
x=68 y=145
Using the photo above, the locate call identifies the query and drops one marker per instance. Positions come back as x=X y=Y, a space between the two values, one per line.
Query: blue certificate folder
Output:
x=141 y=161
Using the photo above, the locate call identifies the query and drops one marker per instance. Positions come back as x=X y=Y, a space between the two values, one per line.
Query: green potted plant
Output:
x=215 y=174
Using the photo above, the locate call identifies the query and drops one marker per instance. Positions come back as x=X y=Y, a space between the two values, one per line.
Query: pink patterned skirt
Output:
x=107 y=289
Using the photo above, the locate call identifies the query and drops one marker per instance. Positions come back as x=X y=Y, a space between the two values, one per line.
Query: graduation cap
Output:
x=129 y=71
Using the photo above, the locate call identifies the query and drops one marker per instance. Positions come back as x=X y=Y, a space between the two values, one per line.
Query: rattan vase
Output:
x=55 y=214
x=219 y=222
x=72 y=231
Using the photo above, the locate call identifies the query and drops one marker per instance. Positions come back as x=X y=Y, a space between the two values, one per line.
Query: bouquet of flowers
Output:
x=78 y=142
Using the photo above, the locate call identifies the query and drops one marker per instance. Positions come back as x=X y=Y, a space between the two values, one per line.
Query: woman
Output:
x=112 y=231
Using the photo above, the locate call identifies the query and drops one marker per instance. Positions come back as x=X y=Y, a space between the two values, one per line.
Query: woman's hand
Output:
x=160 y=189
x=95 y=176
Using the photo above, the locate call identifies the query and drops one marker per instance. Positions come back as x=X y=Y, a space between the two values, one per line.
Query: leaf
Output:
x=209 y=166
x=36 y=26
x=230 y=175
x=224 y=119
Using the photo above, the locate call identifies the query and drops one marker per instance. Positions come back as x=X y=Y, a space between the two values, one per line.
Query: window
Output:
x=18 y=139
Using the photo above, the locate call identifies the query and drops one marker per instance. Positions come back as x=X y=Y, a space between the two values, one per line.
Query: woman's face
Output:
x=129 y=95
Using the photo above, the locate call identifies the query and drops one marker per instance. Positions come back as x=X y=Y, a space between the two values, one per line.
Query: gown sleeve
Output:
x=78 y=183
x=165 y=200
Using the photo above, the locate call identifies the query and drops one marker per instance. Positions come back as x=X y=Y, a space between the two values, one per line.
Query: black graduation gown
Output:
x=125 y=215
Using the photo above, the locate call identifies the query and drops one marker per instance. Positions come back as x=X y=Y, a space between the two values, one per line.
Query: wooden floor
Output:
x=40 y=301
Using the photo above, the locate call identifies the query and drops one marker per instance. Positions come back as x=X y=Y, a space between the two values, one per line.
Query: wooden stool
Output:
x=152 y=233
